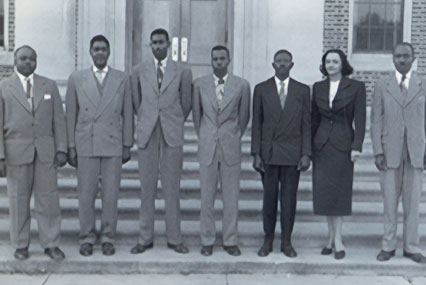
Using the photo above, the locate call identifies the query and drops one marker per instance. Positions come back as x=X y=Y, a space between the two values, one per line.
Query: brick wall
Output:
x=6 y=70
x=418 y=33
x=336 y=24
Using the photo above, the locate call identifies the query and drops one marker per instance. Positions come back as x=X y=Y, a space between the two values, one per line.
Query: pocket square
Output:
x=47 y=97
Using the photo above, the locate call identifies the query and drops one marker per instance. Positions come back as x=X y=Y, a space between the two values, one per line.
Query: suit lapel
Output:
x=211 y=88
x=18 y=92
x=89 y=85
x=273 y=99
x=169 y=74
x=322 y=95
x=150 y=73
x=393 y=88
x=110 y=88
x=290 y=104
x=37 y=91
x=339 y=100
x=229 y=90
x=413 y=88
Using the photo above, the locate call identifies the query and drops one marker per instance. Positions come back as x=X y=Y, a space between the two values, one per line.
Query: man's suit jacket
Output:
x=99 y=125
x=392 y=113
x=281 y=136
x=335 y=124
x=171 y=104
x=24 y=133
x=224 y=125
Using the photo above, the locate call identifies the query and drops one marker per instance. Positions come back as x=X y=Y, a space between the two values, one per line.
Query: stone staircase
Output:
x=362 y=230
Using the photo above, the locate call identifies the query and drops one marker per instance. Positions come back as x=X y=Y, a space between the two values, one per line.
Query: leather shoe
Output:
x=326 y=251
x=207 y=250
x=108 y=248
x=179 y=248
x=288 y=250
x=265 y=249
x=232 y=250
x=140 y=248
x=385 y=255
x=339 y=254
x=55 y=253
x=21 y=253
x=86 y=249
x=416 y=257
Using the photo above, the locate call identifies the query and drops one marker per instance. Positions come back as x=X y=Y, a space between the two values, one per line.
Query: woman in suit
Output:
x=338 y=128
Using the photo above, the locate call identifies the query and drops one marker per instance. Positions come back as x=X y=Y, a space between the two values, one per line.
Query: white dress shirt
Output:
x=103 y=72
x=24 y=80
x=334 y=85
x=278 y=84
x=163 y=63
x=407 y=78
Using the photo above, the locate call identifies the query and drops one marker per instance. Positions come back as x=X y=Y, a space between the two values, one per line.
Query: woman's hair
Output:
x=346 y=67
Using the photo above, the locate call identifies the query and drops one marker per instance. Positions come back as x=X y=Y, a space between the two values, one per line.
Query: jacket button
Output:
x=331 y=122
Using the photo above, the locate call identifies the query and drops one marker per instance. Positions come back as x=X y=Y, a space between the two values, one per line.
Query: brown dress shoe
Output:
x=207 y=250
x=385 y=255
x=179 y=248
x=108 y=248
x=21 y=253
x=54 y=253
x=232 y=250
x=86 y=249
x=140 y=248
x=416 y=257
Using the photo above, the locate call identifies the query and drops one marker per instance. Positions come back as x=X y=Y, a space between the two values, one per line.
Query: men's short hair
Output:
x=404 y=44
x=220 y=47
x=283 y=51
x=159 y=32
x=99 y=38
x=346 y=66
x=22 y=47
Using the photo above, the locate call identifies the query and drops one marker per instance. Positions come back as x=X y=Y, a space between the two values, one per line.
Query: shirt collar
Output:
x=163 y=62
x=104 y=70
x=23 y=78
x=277 y=80
x=399 y=76
x=216 y=79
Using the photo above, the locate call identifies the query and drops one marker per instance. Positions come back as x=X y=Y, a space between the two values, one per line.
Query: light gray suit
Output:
x=220 y=127
x=160 y=129
x=99 y=123
x=28 y=142
x=398 y=132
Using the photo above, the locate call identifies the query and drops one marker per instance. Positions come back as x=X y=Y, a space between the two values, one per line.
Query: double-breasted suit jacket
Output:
x=29 y=139
x=100 y=123
x=161 y=113
x=220 y=126
x=281 y=136
x=398 y=133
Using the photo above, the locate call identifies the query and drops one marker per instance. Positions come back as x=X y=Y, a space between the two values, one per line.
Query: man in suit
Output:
x=162 y=101
x=398 y=136
x=32 y=145
x=221 y=111
x=99 y=115
x=281 y=146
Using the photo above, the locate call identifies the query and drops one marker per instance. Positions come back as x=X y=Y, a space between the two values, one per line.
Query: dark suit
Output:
x=281 y=137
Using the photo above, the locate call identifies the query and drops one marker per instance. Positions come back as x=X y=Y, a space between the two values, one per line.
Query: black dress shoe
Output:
x=385 y=255
x=265 y=249
x=108 y=248
x=86 y=249
x=140 y=248
x=288 y=250
x=326 y=251
x=55 y=253
x=207 y=250
x=416 y=257
x=232 y=250
x=339 y=254
x=21 y=253
x=179 y=248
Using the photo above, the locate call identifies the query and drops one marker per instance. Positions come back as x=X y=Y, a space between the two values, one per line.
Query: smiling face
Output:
x=159 y=45
x=333 y=63
x=100 y=53
x=403 y=58
x=26 y=61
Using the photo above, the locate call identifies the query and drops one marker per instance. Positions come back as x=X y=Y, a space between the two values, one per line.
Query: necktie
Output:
x=220 y=91
x=282 y=94
x=402 y=85
x=99 y=76
x=159 y=74
x=28 y=87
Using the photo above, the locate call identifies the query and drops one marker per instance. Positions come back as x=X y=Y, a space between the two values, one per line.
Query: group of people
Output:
x=290 y=128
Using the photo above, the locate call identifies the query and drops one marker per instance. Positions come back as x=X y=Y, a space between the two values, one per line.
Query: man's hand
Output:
x=304 y=163
x=355 y=154
x=258 y=164
x=126 y=154
x=380 y=162
x=2 y=168
x=60 y=159
x=72 y=157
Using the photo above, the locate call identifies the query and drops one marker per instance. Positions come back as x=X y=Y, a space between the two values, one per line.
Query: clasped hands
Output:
x=303 y=165
x=73 y=161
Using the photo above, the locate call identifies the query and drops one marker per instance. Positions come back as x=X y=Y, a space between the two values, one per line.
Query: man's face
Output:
x=26 y=61
x=220 y=60
x=403 y=58
x=100 y=53
x=159 y=45
x=282 y=64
